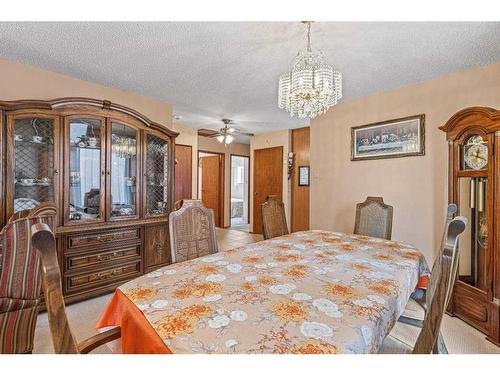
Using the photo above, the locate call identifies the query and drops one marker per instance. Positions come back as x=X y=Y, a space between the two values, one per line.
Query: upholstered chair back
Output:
x=20 y=282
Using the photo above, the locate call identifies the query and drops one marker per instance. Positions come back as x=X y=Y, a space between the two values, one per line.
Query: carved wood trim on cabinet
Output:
x=95 y=256
x=157 y=252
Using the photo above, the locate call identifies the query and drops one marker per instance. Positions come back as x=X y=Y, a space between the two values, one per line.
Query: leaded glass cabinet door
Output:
x=84 y=170
x=32 y=163
x=156 y=173
x=123 y=171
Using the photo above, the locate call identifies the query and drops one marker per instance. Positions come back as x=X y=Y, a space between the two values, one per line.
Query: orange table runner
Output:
x=138 y=337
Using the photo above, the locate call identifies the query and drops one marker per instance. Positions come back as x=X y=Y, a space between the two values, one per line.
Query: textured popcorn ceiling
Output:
x=210 y=70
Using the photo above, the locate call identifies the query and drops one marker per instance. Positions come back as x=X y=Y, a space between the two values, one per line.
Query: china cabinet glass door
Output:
x=84 y=180
x=34 y=165
x=123 y=170
x=156 y=172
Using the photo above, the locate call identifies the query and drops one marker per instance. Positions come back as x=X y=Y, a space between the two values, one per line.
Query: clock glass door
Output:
x=474 y=154
x=474 y=243
x=473 y=203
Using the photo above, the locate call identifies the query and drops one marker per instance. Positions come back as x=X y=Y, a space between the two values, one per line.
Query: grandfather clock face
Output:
x=475 y=153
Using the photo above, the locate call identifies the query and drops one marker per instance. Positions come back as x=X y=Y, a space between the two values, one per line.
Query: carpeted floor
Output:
x=459 y=336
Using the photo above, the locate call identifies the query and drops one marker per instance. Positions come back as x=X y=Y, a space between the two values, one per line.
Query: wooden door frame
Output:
x=283 y=189
x=191 y=147
x=231 y=179
x=295 y=176
x=222 y=159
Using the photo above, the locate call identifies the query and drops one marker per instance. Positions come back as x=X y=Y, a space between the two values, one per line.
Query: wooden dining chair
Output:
x=63 y=340
x=273 y=218
x=373 y=218
x=422 y=297
x=443 y=275
x=192 y=231
x=178 y=204
x=20 y=280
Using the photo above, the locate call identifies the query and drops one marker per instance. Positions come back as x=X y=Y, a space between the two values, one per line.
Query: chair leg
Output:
x=440 y=346
x=411 y=321
x=442 y=349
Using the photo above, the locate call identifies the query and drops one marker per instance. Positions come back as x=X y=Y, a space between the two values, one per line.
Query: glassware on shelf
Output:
x=157 y=158
x=84 y=169
x=33 y=162
x=123 y=170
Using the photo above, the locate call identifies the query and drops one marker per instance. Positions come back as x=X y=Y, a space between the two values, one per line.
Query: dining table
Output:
x=313 y=291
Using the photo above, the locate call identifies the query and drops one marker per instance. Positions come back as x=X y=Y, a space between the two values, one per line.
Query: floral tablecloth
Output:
x=307 y=292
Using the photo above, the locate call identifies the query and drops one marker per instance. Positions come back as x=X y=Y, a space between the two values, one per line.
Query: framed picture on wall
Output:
x=389 y=139
x=304 y=176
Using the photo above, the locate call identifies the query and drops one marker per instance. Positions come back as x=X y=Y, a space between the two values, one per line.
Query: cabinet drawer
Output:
x=99 y=259
x=105 y=237
x=103 y=277
x=157 y=246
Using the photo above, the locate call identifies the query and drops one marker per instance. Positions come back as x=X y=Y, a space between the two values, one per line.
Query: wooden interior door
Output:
x=211 y=186
x=300 y=194
x=183 y=172
x=268 y=180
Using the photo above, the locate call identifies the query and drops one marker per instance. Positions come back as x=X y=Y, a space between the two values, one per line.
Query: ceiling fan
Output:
x=225 y=135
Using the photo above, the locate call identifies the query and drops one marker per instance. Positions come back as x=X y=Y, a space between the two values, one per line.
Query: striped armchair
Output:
x=20 y=281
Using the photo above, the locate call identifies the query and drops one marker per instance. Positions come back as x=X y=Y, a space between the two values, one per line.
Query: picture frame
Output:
x=304 y=175
x=389 y=139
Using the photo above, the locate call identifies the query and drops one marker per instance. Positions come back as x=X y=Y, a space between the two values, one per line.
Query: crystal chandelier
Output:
x=124 y=147
x=312 y=86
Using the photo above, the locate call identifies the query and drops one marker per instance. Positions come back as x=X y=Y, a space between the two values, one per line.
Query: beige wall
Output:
x=415 y=186
x=267 y=140
x=20 y=81
x=210 y=144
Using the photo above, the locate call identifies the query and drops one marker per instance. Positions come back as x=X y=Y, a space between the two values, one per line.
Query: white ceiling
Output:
x=210 y=70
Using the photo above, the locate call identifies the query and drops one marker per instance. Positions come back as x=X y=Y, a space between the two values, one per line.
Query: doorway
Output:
x=268 y=180
x=183 y=172
x=240 y=190
x=211 y=183
x=299 y=214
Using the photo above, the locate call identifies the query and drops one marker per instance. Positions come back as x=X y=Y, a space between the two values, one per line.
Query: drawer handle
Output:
x=158 y=247
x=104 y=276
x=103 y=258
x=105 y=238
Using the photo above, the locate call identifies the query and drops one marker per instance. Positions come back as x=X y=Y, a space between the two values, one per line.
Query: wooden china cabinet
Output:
x=473 y=136
x=108 y=168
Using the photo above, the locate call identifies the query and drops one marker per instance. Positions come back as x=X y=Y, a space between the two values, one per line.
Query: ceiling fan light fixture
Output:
x=220 y=138
x=229 y=139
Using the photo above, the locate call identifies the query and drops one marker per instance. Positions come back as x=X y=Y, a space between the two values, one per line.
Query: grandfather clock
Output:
x=473 y=136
